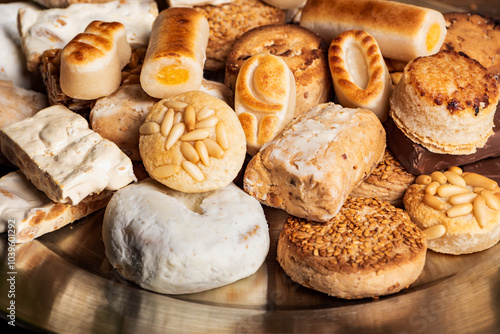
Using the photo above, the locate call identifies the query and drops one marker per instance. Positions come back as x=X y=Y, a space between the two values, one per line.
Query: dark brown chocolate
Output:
x=487 y=167
x=419 y=160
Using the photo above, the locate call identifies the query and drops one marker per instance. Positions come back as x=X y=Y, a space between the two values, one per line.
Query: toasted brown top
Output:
x=86 y=48
x=367 y=234
x=384 y=14
x=440 y=78
x=475 y=35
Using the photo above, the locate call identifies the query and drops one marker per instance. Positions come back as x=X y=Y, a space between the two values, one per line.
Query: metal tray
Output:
x=64 y=283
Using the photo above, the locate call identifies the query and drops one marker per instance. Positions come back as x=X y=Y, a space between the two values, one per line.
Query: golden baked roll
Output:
x=388 y=182
x=446 y=103
x=310 y=168
x=369 y=249
x=176 y=53
x=91 y=63
x=402 y=31
x=264 y=99
x=192 y=142
x=460 y=212
x=229 y=21
x=304 y=52
x=360 y=77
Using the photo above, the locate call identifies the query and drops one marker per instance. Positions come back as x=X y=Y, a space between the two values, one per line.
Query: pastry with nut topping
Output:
x=369 y=249
x=192 y=142
x=459 y=212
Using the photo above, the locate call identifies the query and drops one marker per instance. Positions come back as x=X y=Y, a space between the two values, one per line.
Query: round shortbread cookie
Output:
x=192 y=142
x=177 y=243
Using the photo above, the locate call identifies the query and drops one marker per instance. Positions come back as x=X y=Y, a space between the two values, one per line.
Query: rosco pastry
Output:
x=229 y=21
x=303 y=51
x=179 y=243
x=264 y=99
x=459 y=212
x=435 y=105
x=34 y=214
x=192 y=142
x=92 y=62
x=388 y=182
x=402 y=31
x=176 y=53
x=117 y=117
x=42 y=30
x=313 y=165
x=61 y=156
x=360 y=76
x=369 y=249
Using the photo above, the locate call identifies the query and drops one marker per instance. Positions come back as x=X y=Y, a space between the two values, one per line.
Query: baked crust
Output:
x=312 y=166
x=229 y=21
x=435 y=105
x=304 y=52
x=475 y=35
x=388 y=182
x=368 y=249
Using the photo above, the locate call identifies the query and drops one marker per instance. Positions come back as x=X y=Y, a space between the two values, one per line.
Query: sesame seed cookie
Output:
x=192 y=142
x=369 y=249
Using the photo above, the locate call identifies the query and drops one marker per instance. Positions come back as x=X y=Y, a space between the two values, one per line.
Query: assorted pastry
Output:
x=352 y=121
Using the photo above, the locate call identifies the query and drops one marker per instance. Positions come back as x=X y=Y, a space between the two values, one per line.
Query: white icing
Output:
x=54 y=28
x=78 y=159
x=177 y=242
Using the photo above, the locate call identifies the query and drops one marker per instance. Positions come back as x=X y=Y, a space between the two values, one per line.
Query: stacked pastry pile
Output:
x=184 y=96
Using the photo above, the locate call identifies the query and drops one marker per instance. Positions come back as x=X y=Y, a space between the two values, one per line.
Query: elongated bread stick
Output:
x=402 y=31
x=176 y=53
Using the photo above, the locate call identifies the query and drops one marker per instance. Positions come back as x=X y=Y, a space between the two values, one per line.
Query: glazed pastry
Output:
x=360 y=76
x=264 y=99
x=310 y=168
x=374 y=252
x=176 y=53
x=438 y=107
x=402 y=31
x=34 y=214
x=460 y=212
x=62 y=157
x=180 y=243
x=192 y=142
x=92 y=62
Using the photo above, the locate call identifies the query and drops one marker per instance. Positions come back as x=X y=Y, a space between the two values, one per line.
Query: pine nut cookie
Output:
x=192 y=142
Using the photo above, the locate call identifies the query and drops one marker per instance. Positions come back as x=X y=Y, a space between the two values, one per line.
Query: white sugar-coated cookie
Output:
x=177 y=243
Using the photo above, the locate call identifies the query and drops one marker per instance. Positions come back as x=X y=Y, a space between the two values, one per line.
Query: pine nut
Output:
x=202 y=153
x=197 y=134
x=455 y=179
x=433 y=202
x=177 y=118
x=434 y=232
x=462 y=198
x=213 y=149
x=456 y=170
x=209 y=122
x=491 y=200
x=176 y=105
x=423 y=179
x=189 y=152
x=447 y=190
x=174 y=135
x=149 y=128
x=439 y=177
x=190 y=117
x=193 y=170
x=204 y=113
x=221 y=135
x=167 y=123
x=480 y=211
x=431 y=188
x=459 y=210
x=478 y=189
x=477 y=180
x=165 y=171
